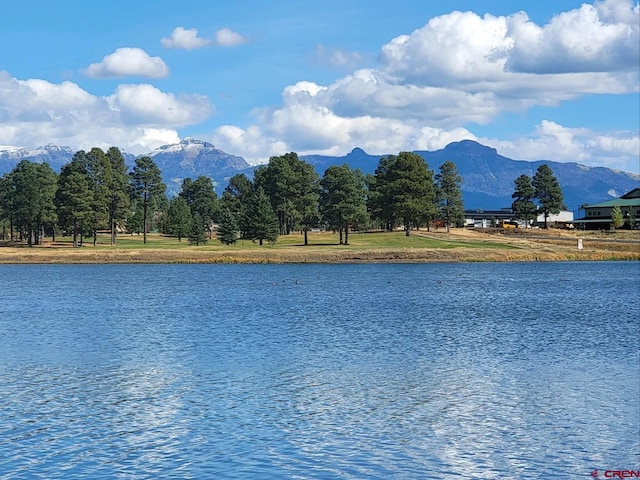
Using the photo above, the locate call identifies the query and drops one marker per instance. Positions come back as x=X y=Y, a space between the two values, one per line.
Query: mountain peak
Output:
x=470 y=147
x=50 y=147
x=189 y=141
x=193 y=141
x=357 y=151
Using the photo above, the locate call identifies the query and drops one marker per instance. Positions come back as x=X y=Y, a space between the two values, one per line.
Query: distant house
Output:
x=562 y=219
x=491 y=218
x=598 y=216
x=487 y=218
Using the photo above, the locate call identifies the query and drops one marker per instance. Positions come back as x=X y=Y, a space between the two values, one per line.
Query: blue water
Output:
x=448 y=371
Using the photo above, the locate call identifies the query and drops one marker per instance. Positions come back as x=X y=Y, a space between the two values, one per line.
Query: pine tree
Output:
x=227 y=230
x=342 y=198
x=179 y=218
x=523 y=206
x=259 y=221
x=198 y=228
x=409 y=188
x=201 y=198
x=449 y=195
x=73 y=198
x=117 y=182
x=146 y=183
x=548 y=191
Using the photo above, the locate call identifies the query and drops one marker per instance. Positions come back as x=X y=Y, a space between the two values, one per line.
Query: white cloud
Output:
x=249 y=143
x=126 y=62
x=461 y=47
x=308 y=129
x=513 y=57
x=226 y=37
x=602 y=37
x=147 y=105
x=552 y=141
x=186 y=39
x=136 y=118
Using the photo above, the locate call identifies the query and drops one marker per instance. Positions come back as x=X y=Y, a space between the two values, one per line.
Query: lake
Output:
x=448 y=371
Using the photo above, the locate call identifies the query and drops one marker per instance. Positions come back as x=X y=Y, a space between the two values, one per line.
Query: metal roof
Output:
x=620 y=202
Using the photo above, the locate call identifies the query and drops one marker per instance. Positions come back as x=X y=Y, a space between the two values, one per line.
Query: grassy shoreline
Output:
x=457 y=246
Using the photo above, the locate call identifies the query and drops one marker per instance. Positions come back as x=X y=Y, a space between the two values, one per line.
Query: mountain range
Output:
x=488 y=178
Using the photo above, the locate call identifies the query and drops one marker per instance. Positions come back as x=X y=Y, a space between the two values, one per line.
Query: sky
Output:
x=537 y=80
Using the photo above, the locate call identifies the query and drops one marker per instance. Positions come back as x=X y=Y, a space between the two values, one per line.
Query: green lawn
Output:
x=376 y=240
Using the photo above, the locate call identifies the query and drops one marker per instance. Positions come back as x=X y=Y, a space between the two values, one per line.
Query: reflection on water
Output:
x=349 y=371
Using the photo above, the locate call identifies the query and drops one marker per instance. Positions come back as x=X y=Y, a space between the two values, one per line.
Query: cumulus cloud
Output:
x=601 y=37
x=225 y=37
x=460 y=46
x=127 y=62
x=254 y=145
x=135 y=117
x=186 y=39
x=464 y=50
x=552 y=141
x=146 y=104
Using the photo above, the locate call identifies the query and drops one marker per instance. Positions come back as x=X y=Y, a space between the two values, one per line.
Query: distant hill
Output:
x=488 y=176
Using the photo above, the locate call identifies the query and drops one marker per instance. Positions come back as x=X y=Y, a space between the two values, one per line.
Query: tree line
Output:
x=96 y=191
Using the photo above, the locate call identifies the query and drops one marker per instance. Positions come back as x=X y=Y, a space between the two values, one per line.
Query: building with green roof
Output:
x=598 y=216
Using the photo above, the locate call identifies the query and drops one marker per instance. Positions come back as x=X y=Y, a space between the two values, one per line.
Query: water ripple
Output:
x=312 y=372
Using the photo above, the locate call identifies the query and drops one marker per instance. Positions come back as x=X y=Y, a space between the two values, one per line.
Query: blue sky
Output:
x=541 y=80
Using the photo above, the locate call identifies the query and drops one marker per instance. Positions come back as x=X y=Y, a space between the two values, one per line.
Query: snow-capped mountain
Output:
x=54 y=155
x=189 y=158
x=193 y=158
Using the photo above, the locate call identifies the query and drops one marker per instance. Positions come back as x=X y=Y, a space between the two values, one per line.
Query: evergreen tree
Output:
x=227 y=229
x=198 y=234
x=259 y=221
x=34 y=188
x=449 y=194
x=135 y=217
x=379 y=197
x=547 y=191
x=97 y=166
x=6 y=204
x=146 y=185
x=523 y=206
x=342 y=198
x=235 y=195
x=117 y=182
x=408 y=187
x=73 y=197
x=201 y=198
x=291 y=185
x=179 y=218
